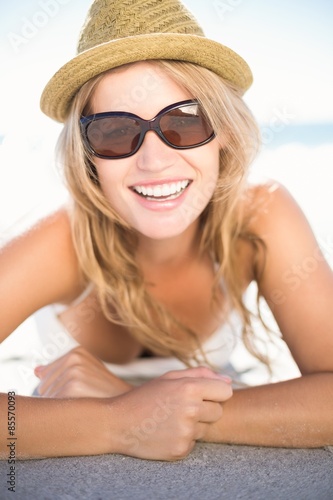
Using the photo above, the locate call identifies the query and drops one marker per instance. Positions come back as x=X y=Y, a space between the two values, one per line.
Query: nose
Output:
x=154 y=154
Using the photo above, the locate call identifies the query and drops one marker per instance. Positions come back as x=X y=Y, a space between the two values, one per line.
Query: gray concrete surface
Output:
x=211 y=472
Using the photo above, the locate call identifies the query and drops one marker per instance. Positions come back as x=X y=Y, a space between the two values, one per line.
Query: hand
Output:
x=78 y=374
x=162 y=419
x=193 y=372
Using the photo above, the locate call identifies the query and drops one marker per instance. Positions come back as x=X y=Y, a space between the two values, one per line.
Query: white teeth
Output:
x=162 y=190
x=166 y=190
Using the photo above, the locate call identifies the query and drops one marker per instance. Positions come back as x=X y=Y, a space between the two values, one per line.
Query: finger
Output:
x=210 y=412
x=75 y=355
x=75 y=358
x=75 y=378
x=43 y=371
x=206 y=389
x=48 y=375
x=50 y=386
x=197 y=372
x=69 y=388
x=217 y=390
x=81 y=380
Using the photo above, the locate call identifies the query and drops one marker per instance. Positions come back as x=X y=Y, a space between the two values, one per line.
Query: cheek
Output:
x=109 y=176
x=203 y=191
x=207 y=167
x=207 y=163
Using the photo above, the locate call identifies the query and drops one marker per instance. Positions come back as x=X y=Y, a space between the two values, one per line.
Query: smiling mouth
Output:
x=162 y=192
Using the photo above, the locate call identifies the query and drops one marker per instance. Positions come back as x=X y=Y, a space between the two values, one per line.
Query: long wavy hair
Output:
x=106 y=245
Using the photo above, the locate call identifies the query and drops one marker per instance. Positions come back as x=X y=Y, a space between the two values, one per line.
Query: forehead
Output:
x=142 y=88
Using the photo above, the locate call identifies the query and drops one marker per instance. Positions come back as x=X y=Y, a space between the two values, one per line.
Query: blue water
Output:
x=308 y=134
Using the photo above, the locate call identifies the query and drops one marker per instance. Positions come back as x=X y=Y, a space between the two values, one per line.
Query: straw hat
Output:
x=118 y=32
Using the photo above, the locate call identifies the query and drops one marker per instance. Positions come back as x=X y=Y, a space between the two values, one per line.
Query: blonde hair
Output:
x=106 y=245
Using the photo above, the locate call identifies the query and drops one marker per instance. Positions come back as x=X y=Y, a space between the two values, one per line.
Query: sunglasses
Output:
x=117 y=134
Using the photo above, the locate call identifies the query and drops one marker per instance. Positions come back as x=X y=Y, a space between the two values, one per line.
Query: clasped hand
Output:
x=78 y=374
x=160 y=420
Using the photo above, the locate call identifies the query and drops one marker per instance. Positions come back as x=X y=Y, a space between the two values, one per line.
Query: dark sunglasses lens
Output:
x=186 y=126
x=113 y=136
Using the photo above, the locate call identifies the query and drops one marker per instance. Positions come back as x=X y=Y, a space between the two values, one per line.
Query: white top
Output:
x=57 y=341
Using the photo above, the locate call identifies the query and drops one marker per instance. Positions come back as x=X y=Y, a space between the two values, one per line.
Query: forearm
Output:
x=296 y=413
x=57 y=427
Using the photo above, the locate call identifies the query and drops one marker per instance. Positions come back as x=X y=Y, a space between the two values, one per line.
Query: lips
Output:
x=163 y=191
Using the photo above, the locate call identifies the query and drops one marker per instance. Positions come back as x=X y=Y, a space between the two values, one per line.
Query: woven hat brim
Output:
x=59 y=92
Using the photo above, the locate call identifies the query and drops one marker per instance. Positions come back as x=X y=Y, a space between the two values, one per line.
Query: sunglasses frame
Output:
x=145 y=126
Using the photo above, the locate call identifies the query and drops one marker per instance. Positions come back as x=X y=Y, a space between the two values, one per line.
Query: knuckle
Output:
x=186 y=432
x=170 y=374
x=204 y=371
x=181 y=450
x=79 y=349
x=74 y=358
x=192 y=411
x=188 y=386
x=72 y=387
x=75 y=372
x=77 y=352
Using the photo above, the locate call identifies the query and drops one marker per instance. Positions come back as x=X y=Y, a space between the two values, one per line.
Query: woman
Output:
x=152 y=259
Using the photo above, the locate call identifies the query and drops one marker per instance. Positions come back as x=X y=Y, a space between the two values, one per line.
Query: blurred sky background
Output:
x=287 y=43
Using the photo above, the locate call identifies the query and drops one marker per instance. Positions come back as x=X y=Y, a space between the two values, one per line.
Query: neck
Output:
x=171 y=252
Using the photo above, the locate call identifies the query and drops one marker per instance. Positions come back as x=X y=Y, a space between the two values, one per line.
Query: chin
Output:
x=161 y=233
x=161 y=230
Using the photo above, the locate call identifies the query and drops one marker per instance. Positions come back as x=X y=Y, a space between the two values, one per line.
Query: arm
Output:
x=295 y=413
x=160 y=420
x=55 y=427
x=298 y=285
x=38 y=268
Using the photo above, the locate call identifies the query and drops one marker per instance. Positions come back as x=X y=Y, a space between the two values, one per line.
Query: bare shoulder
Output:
x=296 y=281
x=272 y=215
x=268 y=200
x=259 y=206
x=38 y=268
